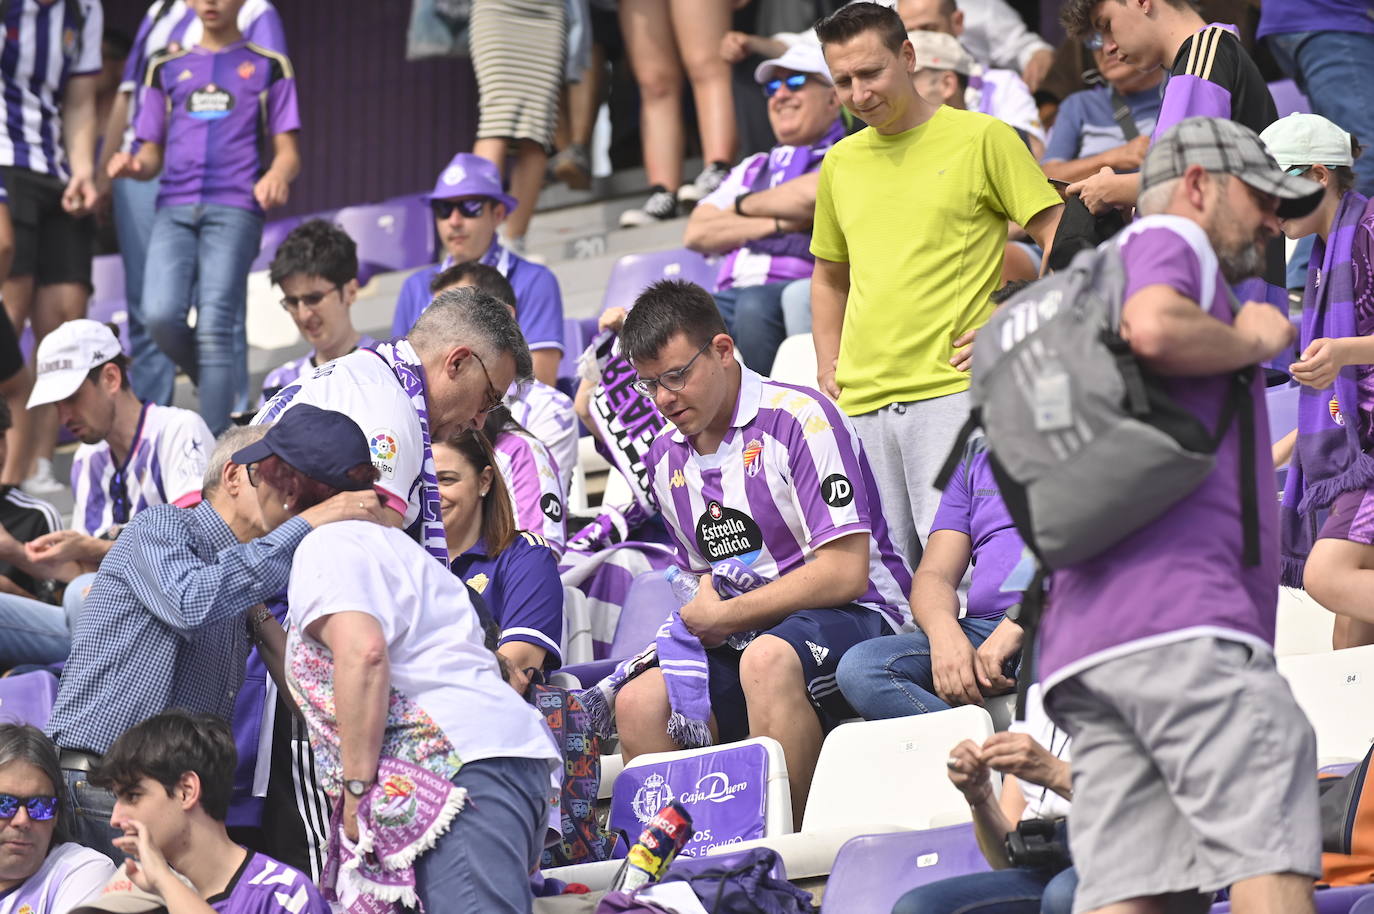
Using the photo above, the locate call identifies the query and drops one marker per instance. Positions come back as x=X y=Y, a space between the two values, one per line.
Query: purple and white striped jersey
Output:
x=536 y=494
x=789 y=477
x=176 y=24
x=166 y=465
x=547 y=414
x=263 y=885
x=287 y=374
x=45 y=45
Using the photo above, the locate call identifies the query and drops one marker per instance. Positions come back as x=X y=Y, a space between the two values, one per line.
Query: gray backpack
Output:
x=1086 y=445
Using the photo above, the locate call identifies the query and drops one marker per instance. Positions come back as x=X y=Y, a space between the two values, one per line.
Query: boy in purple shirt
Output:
x=205 y=112
x=1193 y=764
x=172 y=776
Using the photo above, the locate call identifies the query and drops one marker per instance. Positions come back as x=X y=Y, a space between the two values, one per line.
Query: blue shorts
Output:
x=820 y=637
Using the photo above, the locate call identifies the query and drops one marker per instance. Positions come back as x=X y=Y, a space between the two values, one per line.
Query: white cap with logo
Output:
x=67 y=355
x=1307 y=139
x=802 y=57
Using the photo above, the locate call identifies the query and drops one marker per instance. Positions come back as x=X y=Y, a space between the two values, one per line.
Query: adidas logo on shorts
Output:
x=818 y=652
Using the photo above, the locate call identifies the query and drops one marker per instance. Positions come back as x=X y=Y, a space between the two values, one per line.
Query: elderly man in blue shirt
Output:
x=167 y=621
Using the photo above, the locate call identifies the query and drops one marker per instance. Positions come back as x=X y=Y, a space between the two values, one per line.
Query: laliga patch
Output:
x=724 y=533
x=552 y=507
x=837 y=490
x=382 y=444
x=210 y=103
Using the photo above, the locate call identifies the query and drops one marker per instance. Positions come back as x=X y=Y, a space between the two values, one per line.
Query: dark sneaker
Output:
x=660 y=206
x=707 y=181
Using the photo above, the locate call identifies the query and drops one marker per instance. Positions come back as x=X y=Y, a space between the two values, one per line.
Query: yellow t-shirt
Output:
x=921 y=218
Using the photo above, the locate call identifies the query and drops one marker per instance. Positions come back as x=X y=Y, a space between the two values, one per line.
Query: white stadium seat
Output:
x=1336 y=690
x=1304 y=625
x=795 y=362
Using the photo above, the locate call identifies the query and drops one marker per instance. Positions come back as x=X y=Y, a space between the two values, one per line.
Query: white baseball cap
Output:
x=1307 y=139
x=940 y=51
x=121 y=896
x=802 y=57
x=67 y=355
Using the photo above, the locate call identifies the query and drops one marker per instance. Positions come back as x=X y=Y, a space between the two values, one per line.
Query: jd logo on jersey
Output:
x=552 y=507
x=210 y=103
x=724 y=533
x=837 y=490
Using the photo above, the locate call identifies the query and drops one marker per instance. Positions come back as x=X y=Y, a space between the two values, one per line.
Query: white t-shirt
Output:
x=1041 y=802
x=438 y=660
x=362 y=386
x=70 y=875
x=166 y=465
x=1004 y=95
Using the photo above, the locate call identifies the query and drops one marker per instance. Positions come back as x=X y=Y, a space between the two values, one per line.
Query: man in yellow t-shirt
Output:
x=910 y=225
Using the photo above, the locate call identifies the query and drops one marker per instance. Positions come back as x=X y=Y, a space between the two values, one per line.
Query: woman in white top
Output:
x=41 y=872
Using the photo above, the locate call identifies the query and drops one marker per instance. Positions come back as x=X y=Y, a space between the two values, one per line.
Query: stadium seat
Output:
x=574 y=341
x=1282 y=403
x=647 y=603
x=872 y=871
x=273 y=234
x=1288 y=98
x=28 y=698
x=1343 y=900
x=633 y=272
x=1304 y=625
x=880 y=776
x=1365 y=904
x=795 y=362
x=1336 y=690
x=576 y=644
x=1337 y=769
x=107 y=279
x=396 y=234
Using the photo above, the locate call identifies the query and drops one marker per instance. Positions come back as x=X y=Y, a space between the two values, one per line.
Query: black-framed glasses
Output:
x=494 y=397
x=793 y=83
x=471 y=208
x=673 y=380
x=253 y=475
x=40 y=808
x=308 y=300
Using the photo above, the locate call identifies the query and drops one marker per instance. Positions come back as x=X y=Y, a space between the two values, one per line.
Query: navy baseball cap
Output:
x=321 y=443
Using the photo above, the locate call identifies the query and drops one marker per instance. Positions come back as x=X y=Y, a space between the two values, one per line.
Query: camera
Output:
x=1040 y=844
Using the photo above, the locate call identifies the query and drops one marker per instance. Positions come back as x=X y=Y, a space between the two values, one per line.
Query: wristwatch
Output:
x=357 y=788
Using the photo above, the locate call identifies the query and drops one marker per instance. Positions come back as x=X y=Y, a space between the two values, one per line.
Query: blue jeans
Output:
x=754 y=316
x=74 y=600
x=891 y=677
x=1013 y=891
x=91 y=808
x=1332 y=68
x=31 y=631
x=483 y=862
x=201 y=253
x=796 y=307
x=151 y=373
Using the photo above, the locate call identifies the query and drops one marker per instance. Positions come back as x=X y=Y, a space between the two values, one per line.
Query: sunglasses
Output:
x=1094 y=42
x=309 y=299
x=120 y=506
x=793 y=83
x=470 y=209
x=41 y=808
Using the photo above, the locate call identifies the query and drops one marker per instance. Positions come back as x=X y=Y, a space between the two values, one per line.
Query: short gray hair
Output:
x=27 y=744
x=470 y=317
x=1157 y=198
x=235 y=438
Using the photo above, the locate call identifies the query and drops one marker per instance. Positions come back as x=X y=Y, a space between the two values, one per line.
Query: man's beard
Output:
x=1238 y=259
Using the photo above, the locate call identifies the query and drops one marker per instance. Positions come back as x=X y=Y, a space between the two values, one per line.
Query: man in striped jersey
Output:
x=766 y=486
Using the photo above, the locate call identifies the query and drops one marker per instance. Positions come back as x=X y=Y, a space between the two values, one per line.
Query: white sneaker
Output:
x=660 y=206
x=42 y=482
x=707 y=181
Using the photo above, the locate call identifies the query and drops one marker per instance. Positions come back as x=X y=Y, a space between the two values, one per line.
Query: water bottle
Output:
x=685 y=585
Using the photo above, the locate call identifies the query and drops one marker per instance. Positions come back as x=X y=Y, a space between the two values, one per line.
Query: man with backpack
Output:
x=1193 y=764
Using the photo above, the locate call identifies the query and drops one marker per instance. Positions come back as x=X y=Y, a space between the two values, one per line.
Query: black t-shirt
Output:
x=25 y=518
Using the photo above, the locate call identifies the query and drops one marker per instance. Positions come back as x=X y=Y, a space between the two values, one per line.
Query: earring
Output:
x=286 y=506
x=483 y=493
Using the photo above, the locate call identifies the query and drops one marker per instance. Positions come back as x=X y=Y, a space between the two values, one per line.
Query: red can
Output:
x=665 y=834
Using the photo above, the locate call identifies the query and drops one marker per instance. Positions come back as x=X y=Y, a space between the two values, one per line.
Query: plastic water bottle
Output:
x=685 y=585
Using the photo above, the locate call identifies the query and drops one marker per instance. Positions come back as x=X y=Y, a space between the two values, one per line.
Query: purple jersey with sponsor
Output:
x=547 y=414
x=538 y=300
x=1281 y=17
x=522 y=590
x=536 y=493
x=972 y=505
x=1182 y=575
x=265 y=886
x=283 y=375
x=214 y=113
x=174 y=26
x=789 y=477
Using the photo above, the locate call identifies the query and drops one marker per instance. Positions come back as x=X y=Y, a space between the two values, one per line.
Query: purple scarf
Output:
x=1329 y=457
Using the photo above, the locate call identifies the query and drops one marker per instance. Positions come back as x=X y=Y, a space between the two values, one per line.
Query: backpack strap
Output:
x=957 y=452
x=1121 y=113
x=1027 y=614
x=1240 y=407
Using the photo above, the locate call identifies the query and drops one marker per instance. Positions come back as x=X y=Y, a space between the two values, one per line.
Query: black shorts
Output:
x=11 y=358
x=820 y=637
x=50 y=245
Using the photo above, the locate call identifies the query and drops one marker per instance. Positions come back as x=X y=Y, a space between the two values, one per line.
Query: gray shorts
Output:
x=1193 y=769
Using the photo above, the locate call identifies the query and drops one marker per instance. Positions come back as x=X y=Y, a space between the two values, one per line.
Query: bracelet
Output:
x=739 y=211
x=259 y=616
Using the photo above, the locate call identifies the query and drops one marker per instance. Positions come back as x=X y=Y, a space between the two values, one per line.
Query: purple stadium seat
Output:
x=872 y=871
x=1337 y=769
x=1329 y=901
x=575 y=340
x=1364 y=906
x=647 y=603
x=397 y=234
x=28 y=698
x=1282 y=403
x=273 y=234
x=635 y=271
x=1288 y=98
x=107 y=276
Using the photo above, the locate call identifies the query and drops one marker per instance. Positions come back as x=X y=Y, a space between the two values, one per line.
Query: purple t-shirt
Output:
x=214 y=112
x=1280 y=17
x=972 y=505
x=1362 y=262
x=266 y=886
x=1182 y=575
x=522 y=590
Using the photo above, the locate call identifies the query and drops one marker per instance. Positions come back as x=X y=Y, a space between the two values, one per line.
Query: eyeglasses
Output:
x=253 y=474
x=470 y=208
x=673 y=380
x=40 y=808
x=494 y=397
x=793 y=82
x=1094 y=42
x=120 y=506
x=309 y=299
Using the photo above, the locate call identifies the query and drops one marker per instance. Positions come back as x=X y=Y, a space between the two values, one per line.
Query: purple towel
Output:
x=1329 y=457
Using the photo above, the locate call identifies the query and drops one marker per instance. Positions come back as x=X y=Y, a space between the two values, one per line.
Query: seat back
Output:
x=273 y=234
x=28 y=698
x=396 y=234
x=1365 y=905
x=872 y=871
x=1282 y=404
x=733 y=793
x=1288 y=98
x=648 y=603
x=1304 y=625
x=1336 y=691
x=633 y=272
x=795 y=362
x=866 y=769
